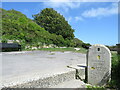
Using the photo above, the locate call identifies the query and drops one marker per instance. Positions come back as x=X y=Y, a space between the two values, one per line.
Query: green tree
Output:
x=54 y=23
x=78 y=43
x=16 y=26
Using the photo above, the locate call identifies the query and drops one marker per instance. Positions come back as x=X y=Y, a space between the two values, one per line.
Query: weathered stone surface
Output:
x=49 y=81
x=48 y=68
x=99 y=65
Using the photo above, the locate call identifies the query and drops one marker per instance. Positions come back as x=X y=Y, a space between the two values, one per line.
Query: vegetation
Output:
x=115 y=81
x=78 y=43
x=54 y=23
x=112 y=48
x=58 y=49
x=48 y=27
x=16 y=26
x=89 y=87
x=82 y=50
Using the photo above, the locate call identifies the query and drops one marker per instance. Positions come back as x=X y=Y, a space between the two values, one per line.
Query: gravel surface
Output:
x=26 y=65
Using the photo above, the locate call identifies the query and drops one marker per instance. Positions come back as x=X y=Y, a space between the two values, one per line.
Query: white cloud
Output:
x=69 y=19
x=74 y=19
x=79 y=18
x=113 y=9
x=64 y=5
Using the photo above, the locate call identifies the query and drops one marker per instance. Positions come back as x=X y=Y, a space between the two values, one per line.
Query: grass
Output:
x=115 y=75
x=57 y=49
x=89 y=87
x=82 y=50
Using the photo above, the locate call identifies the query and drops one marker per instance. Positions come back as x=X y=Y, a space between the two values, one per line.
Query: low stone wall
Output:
x=50 y=81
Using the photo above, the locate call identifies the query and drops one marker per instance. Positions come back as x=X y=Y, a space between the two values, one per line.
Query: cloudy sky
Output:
x=93 y=22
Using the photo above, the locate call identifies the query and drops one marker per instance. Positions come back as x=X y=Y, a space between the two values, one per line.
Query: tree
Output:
x=54 y=23
x=78 y=43
x=86 y=45
x=16 y=26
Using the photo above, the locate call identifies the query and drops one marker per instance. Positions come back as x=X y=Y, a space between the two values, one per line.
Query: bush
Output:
x=4 y=41
x=115 y=75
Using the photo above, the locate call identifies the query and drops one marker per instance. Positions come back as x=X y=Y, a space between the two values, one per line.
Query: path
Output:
x=30 y=64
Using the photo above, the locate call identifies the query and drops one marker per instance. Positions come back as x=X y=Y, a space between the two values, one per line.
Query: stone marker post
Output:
x=98 y=65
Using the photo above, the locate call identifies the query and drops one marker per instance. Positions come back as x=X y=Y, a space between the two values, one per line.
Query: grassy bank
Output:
x=82 y=50
x=58 y=49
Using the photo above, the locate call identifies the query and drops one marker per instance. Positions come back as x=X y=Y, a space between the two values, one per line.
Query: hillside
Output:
x=17 y=27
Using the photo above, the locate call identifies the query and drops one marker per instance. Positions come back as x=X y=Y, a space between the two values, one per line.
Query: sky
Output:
x=93 y=22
